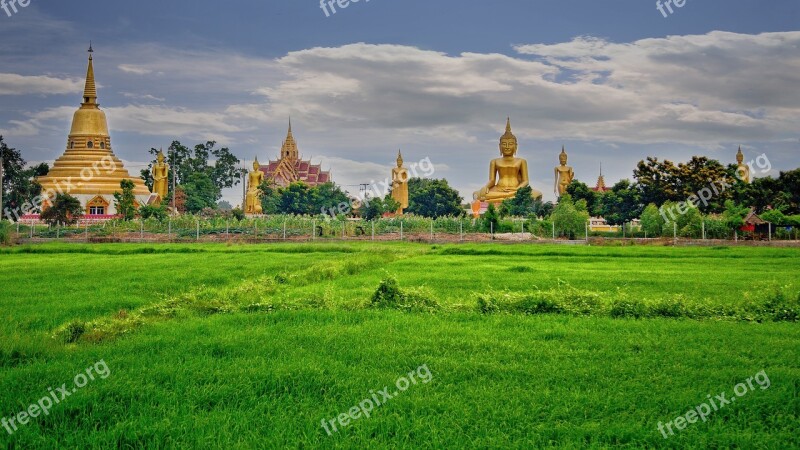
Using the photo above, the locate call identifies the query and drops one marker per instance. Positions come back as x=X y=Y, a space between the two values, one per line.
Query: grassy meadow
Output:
x=528 y=346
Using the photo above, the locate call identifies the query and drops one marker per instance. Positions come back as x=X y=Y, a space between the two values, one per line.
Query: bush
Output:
x=5 y=232
x=624 y=307
x=71 y=332
x=157 y=212
x=390 y=295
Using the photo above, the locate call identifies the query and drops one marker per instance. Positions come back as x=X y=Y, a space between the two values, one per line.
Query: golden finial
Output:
x=90 y=90
x=508 y=134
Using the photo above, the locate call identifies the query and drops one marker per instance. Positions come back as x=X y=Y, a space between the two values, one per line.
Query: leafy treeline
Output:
x=663 y=182
x=426 y=197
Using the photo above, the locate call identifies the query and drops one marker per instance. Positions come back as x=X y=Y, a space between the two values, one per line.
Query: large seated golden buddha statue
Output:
x=507 y=174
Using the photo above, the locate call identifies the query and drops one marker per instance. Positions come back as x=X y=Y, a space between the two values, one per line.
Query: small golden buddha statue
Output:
x=160 y=177
x=507 y=174
x=400 y=184
x=253 y=197
x=743 y=170
x=564 y=174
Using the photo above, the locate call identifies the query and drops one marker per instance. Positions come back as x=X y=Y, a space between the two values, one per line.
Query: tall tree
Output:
x=201 y=192
x=570 y=218
x=433 y=198
x=621 y=204
x=19 y=188
x=125 y=201
x=581 y=191
x=218 y=164
x=652 y=221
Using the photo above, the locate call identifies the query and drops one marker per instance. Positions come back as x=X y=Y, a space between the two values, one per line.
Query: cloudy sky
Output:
x=614 y=82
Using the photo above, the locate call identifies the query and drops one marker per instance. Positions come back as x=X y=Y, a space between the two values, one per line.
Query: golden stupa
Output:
x=88 y=169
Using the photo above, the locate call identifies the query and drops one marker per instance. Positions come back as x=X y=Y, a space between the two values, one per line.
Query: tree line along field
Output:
x=212 y=345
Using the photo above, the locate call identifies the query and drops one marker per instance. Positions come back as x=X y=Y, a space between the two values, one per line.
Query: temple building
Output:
x=290 y=167
x=88 y=170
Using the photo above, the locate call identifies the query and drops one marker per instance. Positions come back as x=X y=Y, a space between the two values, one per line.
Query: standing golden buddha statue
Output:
x=400 y=184
x=253 y=196
x=507 y=174
x=564 y=174
x=742 y=169
x=160 y=177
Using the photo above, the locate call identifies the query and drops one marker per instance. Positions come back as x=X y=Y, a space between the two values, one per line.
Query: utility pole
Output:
x=174 y=176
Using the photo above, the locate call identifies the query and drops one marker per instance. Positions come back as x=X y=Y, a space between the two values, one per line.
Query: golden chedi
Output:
x=160 y=177
x=400 y=184
x=253 y=196
x=564 y=174
x=88 y=169
x=507 y=174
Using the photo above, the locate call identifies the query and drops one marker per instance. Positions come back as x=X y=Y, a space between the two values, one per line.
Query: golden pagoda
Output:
x=601 y=182
x=88 y=169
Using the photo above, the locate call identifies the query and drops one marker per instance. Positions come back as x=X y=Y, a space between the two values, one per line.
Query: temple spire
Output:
x=90 y=90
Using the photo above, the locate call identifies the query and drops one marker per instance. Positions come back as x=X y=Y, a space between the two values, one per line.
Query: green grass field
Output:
x=218 y=346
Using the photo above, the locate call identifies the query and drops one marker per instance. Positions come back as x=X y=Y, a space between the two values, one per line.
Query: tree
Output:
x=652 y=221
x=580 y=191
x=372 y=208
x=224 y=205
x=621 y=204
x=570 y=218
x=297 y=198
x=656 y=181
x=734 y=214
x=521 y=205
x=20 y=191
x=185 y=162
x=775 y=217
x=180 y=199
x=490 y=219
x=65 y=210
x=201 y=192
x=433 y=198
x=269 y=196
x=125 y=201
x=326 y=196
x=158 y=212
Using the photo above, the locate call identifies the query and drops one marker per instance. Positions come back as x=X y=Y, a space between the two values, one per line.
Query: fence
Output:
x=303 y=228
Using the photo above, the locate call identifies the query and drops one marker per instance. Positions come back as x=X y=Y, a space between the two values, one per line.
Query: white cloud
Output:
x=14 y=84
x=136 y=70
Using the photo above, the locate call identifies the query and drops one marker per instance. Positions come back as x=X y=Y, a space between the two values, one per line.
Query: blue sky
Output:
x=614 y=81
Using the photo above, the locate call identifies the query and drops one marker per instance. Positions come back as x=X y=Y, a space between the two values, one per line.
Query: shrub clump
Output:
x=390 y=295
x=5 y=232
x=779 y=306
x=71 y=332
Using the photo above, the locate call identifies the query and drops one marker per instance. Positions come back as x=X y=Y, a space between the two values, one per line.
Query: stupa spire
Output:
x=90 y=90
